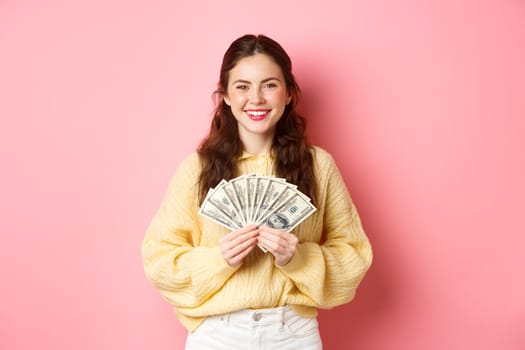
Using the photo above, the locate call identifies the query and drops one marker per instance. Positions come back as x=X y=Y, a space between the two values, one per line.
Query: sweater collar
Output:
x=246 y=155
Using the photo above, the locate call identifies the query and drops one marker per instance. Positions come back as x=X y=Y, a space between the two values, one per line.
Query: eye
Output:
x=241 y=87
x=271 y=85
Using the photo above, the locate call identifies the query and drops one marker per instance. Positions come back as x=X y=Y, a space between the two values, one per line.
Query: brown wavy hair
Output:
x=221 y=148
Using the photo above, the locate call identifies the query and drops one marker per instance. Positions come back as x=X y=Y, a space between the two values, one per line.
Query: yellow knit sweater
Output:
x=182 y=259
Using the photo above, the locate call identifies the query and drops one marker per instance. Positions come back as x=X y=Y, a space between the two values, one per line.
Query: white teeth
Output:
x=256 y=113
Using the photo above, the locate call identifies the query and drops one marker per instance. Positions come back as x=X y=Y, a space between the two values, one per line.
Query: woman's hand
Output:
x=237 y=244
x=282 y=245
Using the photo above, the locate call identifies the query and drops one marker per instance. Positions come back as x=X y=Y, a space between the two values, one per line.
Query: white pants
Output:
x=263 y=329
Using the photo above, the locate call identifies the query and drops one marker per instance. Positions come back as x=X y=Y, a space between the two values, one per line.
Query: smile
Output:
x=257 y=114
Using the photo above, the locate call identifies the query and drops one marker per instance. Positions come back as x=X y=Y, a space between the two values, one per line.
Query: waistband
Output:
x=271 y=316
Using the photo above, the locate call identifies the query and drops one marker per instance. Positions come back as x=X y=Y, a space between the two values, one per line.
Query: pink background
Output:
x=421 y=103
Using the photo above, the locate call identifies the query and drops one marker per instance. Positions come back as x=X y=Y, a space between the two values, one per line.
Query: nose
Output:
x=256 y=96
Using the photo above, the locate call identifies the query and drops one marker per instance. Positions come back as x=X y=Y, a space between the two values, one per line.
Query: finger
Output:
x=279 y=236
x=244 y=237
x=238 y=254
x=282 y=254
x=285 y=240
x=230 y=250
x=244 y=229
x=241 y=247
x=275 y=247
x=235 y=238
x=274 y=231
x=268 y=244
x=240 y=235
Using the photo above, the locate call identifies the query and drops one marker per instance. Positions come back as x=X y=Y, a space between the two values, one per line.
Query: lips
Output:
x=257 y=114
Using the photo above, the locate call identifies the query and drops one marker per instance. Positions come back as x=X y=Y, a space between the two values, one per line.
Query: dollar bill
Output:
x=220 y=199
x=256 y=199
x=274 y=189
x=240 y=187
x=260 y=189
x=230 y=191
x=251 y=185
x=290 y=213
x=209 y=210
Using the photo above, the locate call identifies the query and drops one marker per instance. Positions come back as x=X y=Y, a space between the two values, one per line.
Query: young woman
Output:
x=226 y=291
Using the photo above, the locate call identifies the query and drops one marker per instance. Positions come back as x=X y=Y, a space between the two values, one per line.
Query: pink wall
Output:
x=420 y=102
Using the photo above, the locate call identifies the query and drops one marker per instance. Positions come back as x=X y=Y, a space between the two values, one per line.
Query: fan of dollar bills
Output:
x=256 y=199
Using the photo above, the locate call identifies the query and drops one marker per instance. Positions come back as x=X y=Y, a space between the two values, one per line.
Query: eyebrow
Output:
x=249 y=82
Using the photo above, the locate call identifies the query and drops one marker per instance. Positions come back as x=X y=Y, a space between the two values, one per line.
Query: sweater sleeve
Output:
x=185 y=274
x=329 y=273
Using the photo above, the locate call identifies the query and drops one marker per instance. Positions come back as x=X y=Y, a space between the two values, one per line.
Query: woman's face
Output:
x=257 y=95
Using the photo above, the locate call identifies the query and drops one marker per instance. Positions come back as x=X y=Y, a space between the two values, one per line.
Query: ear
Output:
x=289 y=99
x=226 y=100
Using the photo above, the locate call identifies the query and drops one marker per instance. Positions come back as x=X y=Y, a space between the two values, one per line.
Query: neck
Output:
x=257 y=145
